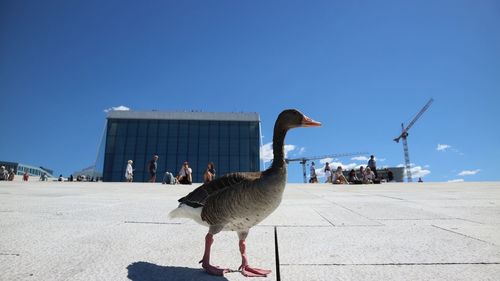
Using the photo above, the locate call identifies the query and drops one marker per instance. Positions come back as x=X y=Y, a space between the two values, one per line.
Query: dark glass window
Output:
x=163 y=129
x=152 y=129
x=183 y=128
x=232 y=146
x=204 y=129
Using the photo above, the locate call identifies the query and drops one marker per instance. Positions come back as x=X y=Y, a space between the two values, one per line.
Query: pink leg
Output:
x=205 y=262
x=246 y=269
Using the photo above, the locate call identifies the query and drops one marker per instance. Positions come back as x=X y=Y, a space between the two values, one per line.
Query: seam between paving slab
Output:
x=461 y=234
x=277 y=254
x=391 y=264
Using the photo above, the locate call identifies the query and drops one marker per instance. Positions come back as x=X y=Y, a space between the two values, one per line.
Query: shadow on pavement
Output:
x=145 y=271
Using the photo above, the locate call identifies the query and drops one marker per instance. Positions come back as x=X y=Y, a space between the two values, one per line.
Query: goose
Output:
x=239 y=201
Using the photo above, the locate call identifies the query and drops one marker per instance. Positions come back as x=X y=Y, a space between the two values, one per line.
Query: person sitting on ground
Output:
x=390 y=175
x=361 y=173
x=338 y=177
x=209 y=174
x=12 y=175
x=369 y=176
x=352 y=178
x=185 y=174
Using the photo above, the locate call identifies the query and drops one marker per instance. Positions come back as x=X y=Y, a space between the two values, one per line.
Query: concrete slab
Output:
x=382 y=245
x=427 y=272
x=120 y=231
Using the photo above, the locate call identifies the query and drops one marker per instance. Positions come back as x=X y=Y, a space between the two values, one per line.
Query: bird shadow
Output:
x=145 y=271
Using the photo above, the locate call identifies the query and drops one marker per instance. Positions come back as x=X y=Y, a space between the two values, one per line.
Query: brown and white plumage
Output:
x=239 y=201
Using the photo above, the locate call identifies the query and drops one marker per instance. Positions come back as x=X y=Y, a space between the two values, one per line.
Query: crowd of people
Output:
x=184 y=176
x=6 y=175
x=364 y=175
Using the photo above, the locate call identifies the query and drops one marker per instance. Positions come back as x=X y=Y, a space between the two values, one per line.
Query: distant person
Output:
x=312 y=172
x=153 y=166
x=361 y=174
x=369 y=176
x=43 y=177
x=390 y=175
x=352 y=178
x=328 y=173
x=185 y=174
x=129 y=171
x=60 y=178
x=4 y=175
x=26 y=176
x=168 y=178
x=70 y=178
x=12 y=175
x=338 y=176
x=420 y=180
x=372 y=164
x=209 y=174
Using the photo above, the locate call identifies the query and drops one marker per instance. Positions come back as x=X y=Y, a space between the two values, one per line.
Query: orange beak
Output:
x=308 y=122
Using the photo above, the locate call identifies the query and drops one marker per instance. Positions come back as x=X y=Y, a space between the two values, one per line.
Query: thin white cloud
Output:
x=325 y=160
x=442 y=147
x=289 y=148
x=117 y=108
x=456 y=180
x=469 y=172
x=419 y=172
x=360 y=158
x=416 y=171
x=266 y=151
x=320 y=172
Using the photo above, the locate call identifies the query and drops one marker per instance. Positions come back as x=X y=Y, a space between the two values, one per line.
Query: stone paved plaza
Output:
x=120 y=231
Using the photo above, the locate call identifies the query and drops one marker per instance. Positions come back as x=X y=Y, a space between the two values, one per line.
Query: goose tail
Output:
x=187 y=212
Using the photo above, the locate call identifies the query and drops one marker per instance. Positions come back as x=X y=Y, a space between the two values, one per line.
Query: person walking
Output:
x=26 y=176
x=314 y=177
x=372 y=164
x=328 y=173
x=129 y=171
x=153 y=165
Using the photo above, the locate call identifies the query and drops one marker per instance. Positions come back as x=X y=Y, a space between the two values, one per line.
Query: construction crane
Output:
x=303 y=160
x=404 y=136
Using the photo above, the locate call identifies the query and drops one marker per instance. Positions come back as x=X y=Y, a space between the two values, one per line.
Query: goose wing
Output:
x=198 y=197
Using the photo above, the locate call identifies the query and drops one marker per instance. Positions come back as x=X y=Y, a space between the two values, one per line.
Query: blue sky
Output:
x=359 y=67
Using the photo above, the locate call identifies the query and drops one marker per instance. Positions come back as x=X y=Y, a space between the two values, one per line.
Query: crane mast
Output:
x=407 y=156
x=404 y=136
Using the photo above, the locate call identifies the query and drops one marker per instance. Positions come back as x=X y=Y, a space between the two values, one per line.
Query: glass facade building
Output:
x=230 y=140
x=20 y=169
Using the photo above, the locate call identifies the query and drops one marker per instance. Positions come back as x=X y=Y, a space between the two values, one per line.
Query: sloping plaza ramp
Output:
x=120 y=231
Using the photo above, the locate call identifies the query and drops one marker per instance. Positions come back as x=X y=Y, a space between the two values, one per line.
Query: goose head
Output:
x=292 y=118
